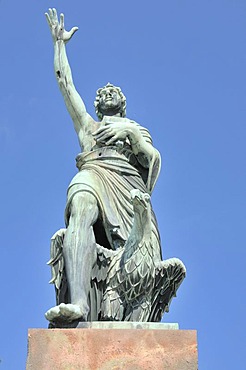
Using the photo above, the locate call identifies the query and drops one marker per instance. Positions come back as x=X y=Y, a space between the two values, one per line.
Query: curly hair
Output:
x=122 y=96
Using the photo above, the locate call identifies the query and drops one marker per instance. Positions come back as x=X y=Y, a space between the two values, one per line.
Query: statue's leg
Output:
x=79 y=250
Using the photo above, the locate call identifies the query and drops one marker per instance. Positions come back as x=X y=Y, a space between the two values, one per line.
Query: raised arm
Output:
x=73 y=101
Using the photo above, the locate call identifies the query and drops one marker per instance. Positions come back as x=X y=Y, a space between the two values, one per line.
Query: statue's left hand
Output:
x=57 y=29
x=112 y=132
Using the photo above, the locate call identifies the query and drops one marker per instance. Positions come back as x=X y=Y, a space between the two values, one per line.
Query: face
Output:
x=109 y=101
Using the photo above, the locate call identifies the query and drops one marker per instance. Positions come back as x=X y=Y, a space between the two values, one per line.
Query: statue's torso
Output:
x=85 y=136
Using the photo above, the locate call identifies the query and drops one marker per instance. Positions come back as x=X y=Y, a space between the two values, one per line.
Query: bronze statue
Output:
x=118 y=168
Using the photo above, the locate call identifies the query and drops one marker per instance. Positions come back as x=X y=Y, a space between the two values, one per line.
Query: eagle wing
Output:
x=98 y=280
x=169 y=274
x=58 y=275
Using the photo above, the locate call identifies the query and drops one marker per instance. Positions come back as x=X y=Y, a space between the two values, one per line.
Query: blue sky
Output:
x=181 y=65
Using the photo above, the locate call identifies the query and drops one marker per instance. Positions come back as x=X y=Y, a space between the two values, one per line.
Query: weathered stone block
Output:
x=107 y=349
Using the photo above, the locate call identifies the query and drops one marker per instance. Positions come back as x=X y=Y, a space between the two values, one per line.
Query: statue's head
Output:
x=110 y=101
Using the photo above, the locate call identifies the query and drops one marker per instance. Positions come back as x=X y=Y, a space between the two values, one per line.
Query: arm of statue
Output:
x=111 y=133
x=73 y=101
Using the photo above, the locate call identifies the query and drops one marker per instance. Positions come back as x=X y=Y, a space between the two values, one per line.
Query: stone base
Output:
x=107 y=349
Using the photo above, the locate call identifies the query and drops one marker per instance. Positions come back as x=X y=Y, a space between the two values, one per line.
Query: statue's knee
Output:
x=82 y=201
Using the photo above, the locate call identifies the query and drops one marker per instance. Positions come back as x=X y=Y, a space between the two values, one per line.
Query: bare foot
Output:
x=71 y=311
x=65 y=312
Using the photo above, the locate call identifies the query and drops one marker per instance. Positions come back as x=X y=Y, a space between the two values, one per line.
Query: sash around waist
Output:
x=105 y=153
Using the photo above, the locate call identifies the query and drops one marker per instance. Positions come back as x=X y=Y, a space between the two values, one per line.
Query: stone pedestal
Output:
x=106 y=347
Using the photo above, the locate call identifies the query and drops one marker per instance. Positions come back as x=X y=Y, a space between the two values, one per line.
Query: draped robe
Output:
x=110 y=173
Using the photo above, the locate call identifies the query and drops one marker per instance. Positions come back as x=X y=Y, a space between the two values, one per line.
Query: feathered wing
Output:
x=57 y=267
x=112 y=304
x=98 y=280
x=169 y=275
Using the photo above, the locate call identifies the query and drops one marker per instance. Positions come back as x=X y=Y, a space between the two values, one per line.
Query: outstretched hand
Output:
x=57 y=29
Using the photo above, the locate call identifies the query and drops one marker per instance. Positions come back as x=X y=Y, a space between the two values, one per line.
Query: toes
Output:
x=52 y=313
x=68 y=312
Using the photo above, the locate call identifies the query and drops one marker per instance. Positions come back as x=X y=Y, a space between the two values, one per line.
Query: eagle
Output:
x=127 y=284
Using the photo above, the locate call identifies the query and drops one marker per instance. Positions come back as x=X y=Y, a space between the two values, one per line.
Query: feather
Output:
x=169 y=275
x=56 y=262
